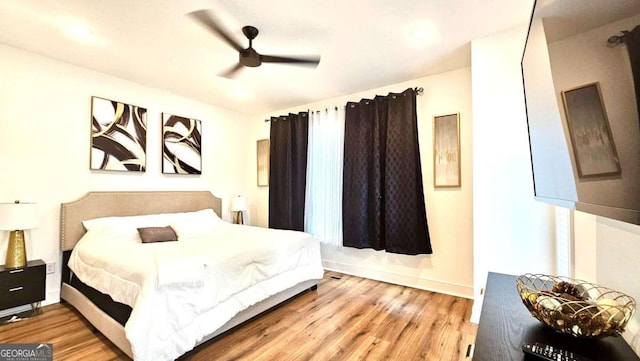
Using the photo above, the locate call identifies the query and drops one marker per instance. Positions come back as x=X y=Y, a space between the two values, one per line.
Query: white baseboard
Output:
x=52 y=296
x=476 y=309
x=449 y=288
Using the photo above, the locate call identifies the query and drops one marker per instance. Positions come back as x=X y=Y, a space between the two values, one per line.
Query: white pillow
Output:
x=185 y=223
x=123 y=234
x=114 y=223
x=192 y=224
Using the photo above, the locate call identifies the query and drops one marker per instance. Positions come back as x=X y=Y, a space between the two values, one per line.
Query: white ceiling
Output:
x=364 y=44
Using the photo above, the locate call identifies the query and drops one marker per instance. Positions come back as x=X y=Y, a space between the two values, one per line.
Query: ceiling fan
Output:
x=247 y=57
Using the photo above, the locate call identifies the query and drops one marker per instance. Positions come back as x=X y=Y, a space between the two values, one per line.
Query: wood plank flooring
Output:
x=347 y=318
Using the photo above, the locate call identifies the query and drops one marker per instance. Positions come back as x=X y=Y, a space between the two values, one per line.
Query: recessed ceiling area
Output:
x=363 y=44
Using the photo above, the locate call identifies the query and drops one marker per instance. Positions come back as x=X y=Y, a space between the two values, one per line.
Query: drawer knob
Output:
x=16 y=289
x=16 y=270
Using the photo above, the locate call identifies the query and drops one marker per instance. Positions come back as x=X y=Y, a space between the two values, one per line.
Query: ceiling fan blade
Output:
x=231 y=72
x=307 y=60
x=205 y=18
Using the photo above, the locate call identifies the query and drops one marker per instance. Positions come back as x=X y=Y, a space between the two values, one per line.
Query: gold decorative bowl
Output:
x=575 y=307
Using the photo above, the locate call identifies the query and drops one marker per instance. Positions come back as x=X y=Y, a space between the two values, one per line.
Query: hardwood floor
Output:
x=347 y=318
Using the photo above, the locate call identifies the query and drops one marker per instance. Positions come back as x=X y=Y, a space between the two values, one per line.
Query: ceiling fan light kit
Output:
x=248 y=57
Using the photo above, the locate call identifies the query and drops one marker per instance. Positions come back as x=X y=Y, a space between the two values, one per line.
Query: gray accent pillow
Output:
x=157 y=234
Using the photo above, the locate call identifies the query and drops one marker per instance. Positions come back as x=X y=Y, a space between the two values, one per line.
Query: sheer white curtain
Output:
x=325 y=151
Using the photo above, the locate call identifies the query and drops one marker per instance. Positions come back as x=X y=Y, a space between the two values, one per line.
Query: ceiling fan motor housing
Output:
x=250 y=58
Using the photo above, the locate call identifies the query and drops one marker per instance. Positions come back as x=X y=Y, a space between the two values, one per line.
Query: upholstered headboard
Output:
x=108 y=204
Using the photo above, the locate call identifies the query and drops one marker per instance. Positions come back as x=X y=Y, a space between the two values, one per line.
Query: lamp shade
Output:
x=18 y=216
x=238 y=204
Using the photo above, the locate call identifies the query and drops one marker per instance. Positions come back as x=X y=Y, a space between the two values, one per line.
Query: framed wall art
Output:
x=446 y=150
x=181 y=145
x=263 y=162
x=593 y=147
x=118 y=136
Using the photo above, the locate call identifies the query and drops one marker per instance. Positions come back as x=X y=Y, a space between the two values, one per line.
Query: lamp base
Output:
x=238 y=218
x=16 y=253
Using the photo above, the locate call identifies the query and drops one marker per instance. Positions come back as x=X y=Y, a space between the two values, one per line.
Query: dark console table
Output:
x=505 y=324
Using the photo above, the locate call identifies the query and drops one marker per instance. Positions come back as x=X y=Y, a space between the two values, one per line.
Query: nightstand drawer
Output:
x=20 y=295
x=22 y=285
x=17 y=277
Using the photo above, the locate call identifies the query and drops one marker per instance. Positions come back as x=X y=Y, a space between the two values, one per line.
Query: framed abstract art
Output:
x=118 y=136
x=181 y=145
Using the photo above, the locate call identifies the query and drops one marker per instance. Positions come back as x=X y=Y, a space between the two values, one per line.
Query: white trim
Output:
x=449 y=288
x=52 y=296
x=476 y=309
x=564 y=241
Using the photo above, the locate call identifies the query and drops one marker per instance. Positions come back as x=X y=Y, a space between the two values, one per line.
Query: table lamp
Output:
x=238 y=205
x=16 y=217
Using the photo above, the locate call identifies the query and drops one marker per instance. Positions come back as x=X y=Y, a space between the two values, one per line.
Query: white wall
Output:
x=449 y=212
x=45 y=113
x=512 y=233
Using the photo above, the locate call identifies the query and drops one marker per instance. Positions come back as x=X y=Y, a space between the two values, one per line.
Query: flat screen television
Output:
x=582 y=105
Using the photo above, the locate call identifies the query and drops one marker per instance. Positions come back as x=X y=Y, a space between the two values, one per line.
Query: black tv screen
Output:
x=582 y=105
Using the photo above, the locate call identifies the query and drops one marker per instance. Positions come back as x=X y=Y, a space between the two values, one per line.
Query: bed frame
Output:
x=105 y=204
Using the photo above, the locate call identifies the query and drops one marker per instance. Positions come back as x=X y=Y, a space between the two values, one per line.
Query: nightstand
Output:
x=21 y=286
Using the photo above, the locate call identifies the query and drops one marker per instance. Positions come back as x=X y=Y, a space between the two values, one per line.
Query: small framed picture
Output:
x=593 y=147
x=446 y=150
x=263 y=162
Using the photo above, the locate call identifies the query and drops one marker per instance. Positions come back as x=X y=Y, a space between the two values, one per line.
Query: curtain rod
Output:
x=419 y=91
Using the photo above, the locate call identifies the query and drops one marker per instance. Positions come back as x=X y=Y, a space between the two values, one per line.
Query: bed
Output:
x=228 y=273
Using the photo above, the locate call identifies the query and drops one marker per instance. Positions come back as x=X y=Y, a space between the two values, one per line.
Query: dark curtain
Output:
x=383 y=200
x=632 y=39
x=288 y=171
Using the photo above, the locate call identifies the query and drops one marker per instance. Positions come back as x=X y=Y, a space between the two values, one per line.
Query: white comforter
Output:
x=182 y=291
